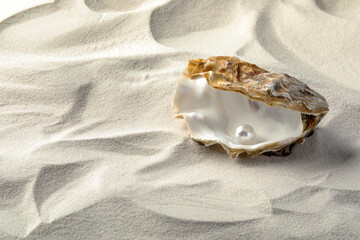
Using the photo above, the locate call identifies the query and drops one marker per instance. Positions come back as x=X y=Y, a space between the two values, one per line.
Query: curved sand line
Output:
x=179 y=17
x=210 y=207
x=116 y=5
x=77 y=34
x=280 y=40
x=266 y=35
x=73 y=116
x=348 y=9
x=198 y=26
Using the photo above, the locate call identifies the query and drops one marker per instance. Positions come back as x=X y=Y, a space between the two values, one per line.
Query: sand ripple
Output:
x=89 y=148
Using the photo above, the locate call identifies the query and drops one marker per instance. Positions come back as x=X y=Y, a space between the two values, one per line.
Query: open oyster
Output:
x=246 y=109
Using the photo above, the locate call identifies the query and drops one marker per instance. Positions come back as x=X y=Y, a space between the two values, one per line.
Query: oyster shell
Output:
x=244 y=108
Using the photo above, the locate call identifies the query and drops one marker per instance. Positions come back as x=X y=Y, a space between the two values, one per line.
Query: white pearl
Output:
x=244 y=134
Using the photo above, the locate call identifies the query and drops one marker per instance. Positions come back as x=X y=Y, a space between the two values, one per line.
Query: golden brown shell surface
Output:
x=274 y=89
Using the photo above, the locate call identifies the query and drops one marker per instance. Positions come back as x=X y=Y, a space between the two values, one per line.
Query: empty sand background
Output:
x=89 y=148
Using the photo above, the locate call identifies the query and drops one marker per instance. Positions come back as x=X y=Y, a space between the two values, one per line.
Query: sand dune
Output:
x=89 y=148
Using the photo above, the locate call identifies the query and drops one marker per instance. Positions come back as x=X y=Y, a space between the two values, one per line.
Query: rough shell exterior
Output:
x=274 y=89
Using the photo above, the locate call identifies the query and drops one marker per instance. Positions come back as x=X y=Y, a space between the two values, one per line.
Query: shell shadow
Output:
x=326 y=148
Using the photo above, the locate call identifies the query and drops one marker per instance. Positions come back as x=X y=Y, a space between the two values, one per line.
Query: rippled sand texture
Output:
x=89 y=148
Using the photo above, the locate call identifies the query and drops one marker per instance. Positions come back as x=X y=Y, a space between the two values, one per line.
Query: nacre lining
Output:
x=211 y=114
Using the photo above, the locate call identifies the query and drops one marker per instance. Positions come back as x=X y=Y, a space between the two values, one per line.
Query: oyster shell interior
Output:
x=231 y=118
x=246 y=109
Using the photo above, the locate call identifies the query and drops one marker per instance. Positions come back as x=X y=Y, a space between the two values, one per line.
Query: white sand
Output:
x=89 y=148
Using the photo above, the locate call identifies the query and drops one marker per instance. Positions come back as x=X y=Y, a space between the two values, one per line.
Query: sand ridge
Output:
x=89 y=147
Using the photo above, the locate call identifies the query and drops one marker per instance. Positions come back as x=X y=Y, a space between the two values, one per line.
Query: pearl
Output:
x=244 y=134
